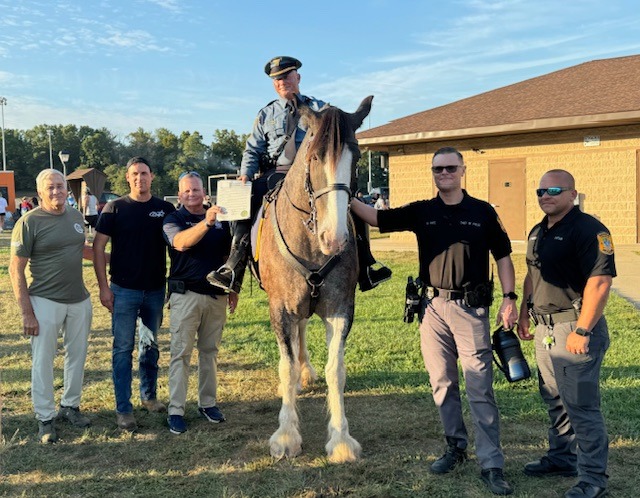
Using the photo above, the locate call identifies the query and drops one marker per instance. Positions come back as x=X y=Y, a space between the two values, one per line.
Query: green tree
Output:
x=379 y=174
x=226 y=150
x=98 y=149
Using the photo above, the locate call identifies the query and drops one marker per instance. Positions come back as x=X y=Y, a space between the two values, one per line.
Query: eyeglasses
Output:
x=449 y=169
x=188 y=173
x=552 y=191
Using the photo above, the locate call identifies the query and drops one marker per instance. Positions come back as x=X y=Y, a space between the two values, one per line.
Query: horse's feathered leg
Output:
x=308 y=374
x=286 y=441
x=341 y=447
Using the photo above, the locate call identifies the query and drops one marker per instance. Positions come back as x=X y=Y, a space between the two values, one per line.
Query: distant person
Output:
x=198 y=244
x=71 y=200
x=25 y=206
x=381 y=203
x=48 y=245
x=138 y=278
x=570 y=260
x=3 y=211
x=270 y=150
x=90 y=207
x=455 y=234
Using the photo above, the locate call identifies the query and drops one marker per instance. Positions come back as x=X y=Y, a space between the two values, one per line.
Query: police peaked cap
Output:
x=281 y=65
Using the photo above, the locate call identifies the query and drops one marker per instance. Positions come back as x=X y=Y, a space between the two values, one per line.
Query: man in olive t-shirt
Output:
x=47 y=247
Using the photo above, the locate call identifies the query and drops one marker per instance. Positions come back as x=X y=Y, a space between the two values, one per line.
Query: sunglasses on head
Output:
x=552 y=191
x=191 y=173
x=449 y=169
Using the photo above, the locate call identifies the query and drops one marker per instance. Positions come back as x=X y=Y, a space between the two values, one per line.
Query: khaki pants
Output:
x=195 y=314
x=74 y=321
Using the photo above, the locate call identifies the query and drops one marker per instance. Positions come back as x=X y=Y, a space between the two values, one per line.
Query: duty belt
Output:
x=558 y=317
x=449 y=294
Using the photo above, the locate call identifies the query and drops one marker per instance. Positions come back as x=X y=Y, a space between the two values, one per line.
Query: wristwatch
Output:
x=511 y=295
x=583 y=332
x=207 y=224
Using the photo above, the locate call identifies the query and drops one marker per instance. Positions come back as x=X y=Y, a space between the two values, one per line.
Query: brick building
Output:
x=585 y=119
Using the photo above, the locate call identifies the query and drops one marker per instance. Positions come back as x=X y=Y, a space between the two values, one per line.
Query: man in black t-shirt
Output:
x=570 y=260
x=198 y=245
x=455 y=234
x=136 y=295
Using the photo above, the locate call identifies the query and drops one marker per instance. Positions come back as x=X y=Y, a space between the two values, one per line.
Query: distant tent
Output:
x=92 y=177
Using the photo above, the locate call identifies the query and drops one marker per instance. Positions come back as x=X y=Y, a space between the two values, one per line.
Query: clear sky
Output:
x=198 y=65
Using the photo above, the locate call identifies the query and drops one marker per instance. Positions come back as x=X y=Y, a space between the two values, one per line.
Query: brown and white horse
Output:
x=308 y=264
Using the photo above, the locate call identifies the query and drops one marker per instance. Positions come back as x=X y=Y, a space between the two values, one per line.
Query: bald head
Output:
x=562 y=177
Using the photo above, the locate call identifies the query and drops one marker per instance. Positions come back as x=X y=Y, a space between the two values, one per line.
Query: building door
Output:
x=507 y=194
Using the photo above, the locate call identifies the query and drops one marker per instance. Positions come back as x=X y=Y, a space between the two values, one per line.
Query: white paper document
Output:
x=235 y=197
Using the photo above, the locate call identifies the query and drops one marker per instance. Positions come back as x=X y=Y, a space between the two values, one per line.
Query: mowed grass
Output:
x=388 y=405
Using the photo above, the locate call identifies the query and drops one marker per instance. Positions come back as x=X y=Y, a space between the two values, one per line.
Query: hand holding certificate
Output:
x=235 y=198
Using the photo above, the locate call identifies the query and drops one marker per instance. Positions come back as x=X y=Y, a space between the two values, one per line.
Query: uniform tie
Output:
x=289 y=154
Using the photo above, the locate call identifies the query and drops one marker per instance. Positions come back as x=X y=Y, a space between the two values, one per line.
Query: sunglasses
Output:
x=190 y=173
x=552 y=191
x=449 y=169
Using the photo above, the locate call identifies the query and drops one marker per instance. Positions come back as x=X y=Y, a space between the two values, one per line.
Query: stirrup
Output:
x=216 y=277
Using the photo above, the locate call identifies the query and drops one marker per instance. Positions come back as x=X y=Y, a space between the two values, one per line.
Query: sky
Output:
x=199 y=65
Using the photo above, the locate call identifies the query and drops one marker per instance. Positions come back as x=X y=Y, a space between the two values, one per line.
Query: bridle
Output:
x=315 y=278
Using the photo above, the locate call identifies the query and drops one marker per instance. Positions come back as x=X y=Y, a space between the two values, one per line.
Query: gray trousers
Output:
x=449 y=331
x=569 y=385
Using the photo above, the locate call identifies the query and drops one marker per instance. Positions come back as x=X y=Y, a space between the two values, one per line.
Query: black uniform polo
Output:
x=454 y=241
x=193 y=265
x=562 y=258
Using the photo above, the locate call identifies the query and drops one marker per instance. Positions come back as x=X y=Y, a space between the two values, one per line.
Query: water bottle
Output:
x=510 y=359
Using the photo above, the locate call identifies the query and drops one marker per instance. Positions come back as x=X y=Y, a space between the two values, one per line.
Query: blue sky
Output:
x=198 y=66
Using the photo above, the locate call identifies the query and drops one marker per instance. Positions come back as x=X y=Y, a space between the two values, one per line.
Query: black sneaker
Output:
x=47 y=431
x=212 y=414
x=449 y=461
x=177 y=425
x=373 y=278
x=494 y=479
x=545 y=467
x=73 y=416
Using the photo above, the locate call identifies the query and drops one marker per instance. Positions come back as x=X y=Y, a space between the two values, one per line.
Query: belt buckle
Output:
x=431 y=293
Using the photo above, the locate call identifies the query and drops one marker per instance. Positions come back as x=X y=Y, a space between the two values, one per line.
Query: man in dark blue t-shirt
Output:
x=138 y=271
x=198 y=244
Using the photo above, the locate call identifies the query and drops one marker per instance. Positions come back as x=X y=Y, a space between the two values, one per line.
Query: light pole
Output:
x=49 y=132
x=64 y=157
x=3 y=102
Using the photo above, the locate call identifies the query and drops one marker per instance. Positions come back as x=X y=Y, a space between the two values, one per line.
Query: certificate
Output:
x=235 y=198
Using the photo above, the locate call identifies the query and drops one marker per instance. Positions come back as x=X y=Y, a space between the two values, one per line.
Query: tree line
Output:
x=27 y=153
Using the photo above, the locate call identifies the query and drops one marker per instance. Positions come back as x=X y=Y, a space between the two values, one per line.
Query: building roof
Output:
x=596 y=93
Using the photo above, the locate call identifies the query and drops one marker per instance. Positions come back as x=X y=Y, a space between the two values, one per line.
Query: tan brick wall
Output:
x=605 y=174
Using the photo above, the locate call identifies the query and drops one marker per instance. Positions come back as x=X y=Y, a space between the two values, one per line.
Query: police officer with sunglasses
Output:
x=570 y=259
x=455 y=234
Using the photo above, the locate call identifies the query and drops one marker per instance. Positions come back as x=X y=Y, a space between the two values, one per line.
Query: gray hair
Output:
x=448 y=150
x=46 y=173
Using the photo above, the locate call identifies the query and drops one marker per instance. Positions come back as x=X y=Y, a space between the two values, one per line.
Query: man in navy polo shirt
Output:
x=198 y=244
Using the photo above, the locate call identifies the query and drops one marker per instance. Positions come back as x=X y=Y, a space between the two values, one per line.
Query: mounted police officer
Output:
x=570 y=270
x=270 y=150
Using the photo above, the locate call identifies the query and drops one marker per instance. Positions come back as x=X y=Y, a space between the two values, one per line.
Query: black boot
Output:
x=230 y=275
x=368 y=277
x=451 y=458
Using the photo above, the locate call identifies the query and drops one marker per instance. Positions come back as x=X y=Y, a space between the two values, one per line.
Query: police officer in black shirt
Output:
x=455 y=234
x=570 y=269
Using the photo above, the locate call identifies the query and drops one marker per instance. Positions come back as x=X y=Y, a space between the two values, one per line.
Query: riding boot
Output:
x=230 y=275
x=368 y=277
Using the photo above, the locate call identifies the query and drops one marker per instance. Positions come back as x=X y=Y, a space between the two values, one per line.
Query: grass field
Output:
x=388 y=405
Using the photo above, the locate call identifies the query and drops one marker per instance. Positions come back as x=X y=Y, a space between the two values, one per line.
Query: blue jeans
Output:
x=128 y=305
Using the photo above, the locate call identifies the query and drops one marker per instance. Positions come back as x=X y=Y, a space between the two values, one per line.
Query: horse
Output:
x=308 y=265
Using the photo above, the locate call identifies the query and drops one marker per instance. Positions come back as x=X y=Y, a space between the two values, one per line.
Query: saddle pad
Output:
x=256 y=231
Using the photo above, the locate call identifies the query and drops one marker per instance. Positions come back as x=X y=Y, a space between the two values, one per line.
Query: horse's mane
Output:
x=329 y=137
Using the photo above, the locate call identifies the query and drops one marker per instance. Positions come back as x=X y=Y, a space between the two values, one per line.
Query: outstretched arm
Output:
x=366 y=213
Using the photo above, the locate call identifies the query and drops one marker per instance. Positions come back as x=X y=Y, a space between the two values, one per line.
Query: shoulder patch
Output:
x=500 y=223
x=605 y=243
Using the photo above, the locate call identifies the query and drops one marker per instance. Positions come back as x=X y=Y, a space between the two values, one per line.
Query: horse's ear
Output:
x=363 y=111
x=307 y=115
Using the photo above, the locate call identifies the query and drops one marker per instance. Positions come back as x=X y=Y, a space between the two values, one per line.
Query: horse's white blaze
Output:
x=334 y=228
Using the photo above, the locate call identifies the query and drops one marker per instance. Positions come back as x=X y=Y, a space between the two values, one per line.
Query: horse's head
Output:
x=330 y=157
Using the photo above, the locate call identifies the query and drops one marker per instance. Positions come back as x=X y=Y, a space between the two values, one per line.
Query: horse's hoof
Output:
x=285 y=445
x=345 y=451
x=279 y=452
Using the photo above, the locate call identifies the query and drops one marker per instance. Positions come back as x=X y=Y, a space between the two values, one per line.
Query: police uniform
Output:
x=454 y=242
x=560 y=260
